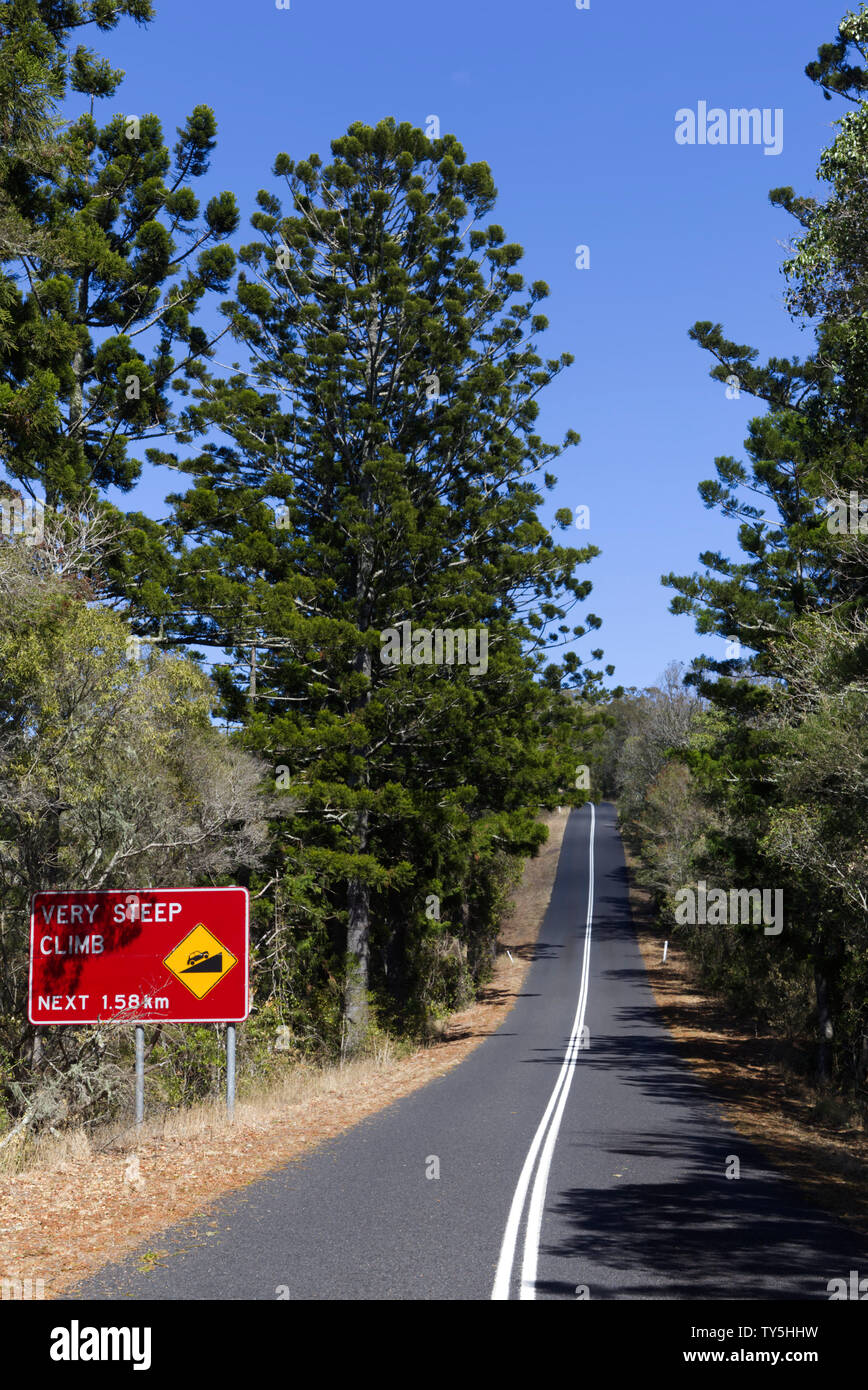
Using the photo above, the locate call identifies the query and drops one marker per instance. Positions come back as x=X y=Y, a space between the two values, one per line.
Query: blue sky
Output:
x=574 y=110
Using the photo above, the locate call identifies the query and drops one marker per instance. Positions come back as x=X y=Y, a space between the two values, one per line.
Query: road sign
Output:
x=171 y=955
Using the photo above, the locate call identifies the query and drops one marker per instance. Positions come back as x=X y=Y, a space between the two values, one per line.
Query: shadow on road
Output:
x=704 y=1236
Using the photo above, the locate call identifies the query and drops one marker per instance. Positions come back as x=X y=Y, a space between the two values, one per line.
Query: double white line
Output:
x=545 y=1137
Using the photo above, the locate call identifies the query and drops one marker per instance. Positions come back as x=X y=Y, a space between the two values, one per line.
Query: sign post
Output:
x=230 y=1070
x=153 y=955
x=140 y=1074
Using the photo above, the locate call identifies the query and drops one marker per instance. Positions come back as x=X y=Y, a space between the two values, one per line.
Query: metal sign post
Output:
x=140 y=1074
x=230 y=1070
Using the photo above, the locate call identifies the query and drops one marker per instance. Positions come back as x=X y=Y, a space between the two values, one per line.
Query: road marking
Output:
x=547 y=1133
x=538 y=1194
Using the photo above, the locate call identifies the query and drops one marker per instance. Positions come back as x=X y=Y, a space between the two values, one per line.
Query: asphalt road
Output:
x=578 y=1157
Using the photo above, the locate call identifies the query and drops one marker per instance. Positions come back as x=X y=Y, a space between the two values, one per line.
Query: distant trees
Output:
x=656 y=797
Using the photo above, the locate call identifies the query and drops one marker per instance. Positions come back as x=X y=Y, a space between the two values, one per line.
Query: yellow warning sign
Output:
x=200 y=961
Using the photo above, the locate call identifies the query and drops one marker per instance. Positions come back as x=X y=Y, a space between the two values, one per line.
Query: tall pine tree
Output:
x=378 y=484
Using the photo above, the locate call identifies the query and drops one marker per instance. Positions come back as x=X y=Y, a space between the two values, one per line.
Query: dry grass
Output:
x=85 y=1200
x=817 y=1144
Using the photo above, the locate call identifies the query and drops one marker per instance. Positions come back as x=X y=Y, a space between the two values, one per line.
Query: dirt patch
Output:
x=762 y=1098
x=97 y=1200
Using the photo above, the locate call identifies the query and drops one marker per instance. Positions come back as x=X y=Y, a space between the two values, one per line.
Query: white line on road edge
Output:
x=503 y=1276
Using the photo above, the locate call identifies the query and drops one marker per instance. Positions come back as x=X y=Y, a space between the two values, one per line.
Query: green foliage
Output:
x=777 y=758
x=110 y=771
x=103 y=259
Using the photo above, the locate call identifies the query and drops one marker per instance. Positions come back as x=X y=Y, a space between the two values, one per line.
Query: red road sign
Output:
x=178 y=955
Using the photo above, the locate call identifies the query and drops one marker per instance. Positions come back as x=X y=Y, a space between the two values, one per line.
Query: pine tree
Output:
x=810 y=450
x=801 y=584
x=378 y=485
x=104 y=256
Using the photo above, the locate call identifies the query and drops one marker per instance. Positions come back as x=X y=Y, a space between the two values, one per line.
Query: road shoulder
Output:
x=762 y=1099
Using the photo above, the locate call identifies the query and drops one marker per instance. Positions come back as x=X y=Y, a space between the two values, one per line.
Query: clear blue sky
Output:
x=575 y=113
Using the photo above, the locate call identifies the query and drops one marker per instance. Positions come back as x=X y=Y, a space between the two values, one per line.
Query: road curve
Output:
x=578 y=1157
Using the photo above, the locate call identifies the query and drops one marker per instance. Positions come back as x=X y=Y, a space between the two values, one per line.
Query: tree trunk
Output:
x=355 y=1021
x=356 y=1012
x=251 y=688
x=824 y=1022
x=358 y=954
